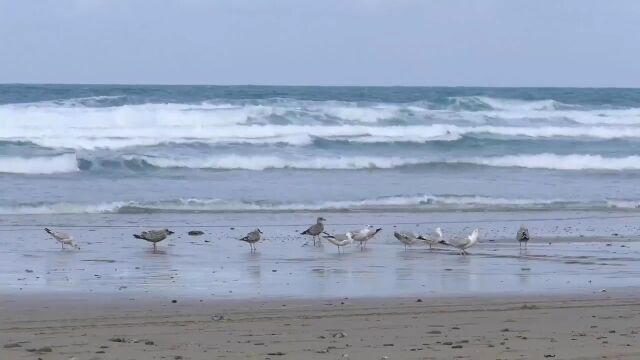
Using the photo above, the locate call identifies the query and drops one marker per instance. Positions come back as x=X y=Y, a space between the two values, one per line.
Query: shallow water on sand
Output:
x=571 y=252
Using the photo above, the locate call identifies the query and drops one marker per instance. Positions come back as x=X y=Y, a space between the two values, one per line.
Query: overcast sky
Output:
x=322 y=42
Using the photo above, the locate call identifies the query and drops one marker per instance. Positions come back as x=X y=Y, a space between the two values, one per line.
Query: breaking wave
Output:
x=114 y=137
x=69 y=162
x=64 y=163
x=558 y=162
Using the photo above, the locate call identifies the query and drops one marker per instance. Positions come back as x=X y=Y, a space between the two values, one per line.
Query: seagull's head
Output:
x=474 y=235
x=439 y=232
x=321 y=219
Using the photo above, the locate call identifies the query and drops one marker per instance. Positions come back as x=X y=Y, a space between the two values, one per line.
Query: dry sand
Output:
x=601 y=326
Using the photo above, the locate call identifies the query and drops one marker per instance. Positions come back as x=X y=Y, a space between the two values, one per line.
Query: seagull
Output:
x=252 y=238
x=406 y=238
x=364 y=235
x=339 y=239
x=463 y=245
x=62 y=237
x=153 y=236
x=316 y=229
x=523 y=236
x=430 y=241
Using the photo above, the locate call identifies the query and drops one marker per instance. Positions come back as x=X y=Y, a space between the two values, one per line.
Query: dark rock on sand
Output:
x=195 y=233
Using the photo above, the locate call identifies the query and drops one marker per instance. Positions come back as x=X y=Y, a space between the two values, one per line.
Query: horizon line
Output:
x=325 y=86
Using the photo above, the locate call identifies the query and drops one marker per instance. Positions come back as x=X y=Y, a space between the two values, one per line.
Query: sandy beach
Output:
x=567 y=296
x=600 y=326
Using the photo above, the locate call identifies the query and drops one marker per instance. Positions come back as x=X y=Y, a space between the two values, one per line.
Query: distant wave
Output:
x=480 y=103
x=393 y=203
x=558 y=162
x=39 y=165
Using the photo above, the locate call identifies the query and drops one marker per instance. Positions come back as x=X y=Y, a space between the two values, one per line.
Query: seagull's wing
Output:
x=310 y=231
x=63 y=235
x=359 y=235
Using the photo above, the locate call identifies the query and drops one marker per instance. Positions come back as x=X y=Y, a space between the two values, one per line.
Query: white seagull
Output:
x=339 y=240
x=464 y=244
x=364 y=235
x=431 y=241
x=406 y=238
x=252 y=238
x=62 y=237
x=316 y=229
x=153 y=236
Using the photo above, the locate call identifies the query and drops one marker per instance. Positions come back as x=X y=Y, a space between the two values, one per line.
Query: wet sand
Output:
x=569 y=253
x=599 y=326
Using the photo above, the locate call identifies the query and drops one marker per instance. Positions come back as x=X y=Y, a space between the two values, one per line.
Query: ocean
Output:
x=119 y=149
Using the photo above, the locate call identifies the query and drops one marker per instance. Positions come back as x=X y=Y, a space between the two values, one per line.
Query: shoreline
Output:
x=566 y=255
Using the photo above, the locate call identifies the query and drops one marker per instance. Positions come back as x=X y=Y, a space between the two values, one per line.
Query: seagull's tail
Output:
x=377 y=231
x=444 y=242
x=48 y=230
x=306 y=232
x=138 y=236
x=420 y=237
